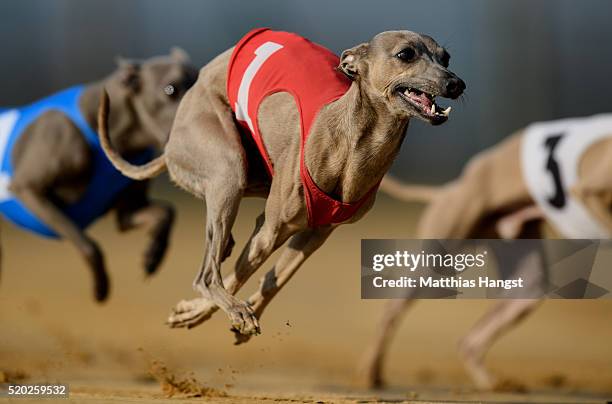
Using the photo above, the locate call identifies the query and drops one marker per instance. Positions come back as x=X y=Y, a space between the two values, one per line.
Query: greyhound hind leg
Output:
x=511 y=226
x=63 y=226
x=135 y=209
x=527 y=264
x=474 y=346
x=222 y=207
x=371 y=367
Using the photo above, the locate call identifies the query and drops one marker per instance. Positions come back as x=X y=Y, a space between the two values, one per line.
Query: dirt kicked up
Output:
x=313 y=334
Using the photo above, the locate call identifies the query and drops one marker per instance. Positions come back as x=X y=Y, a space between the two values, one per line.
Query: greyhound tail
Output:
x=143 y=172
x=407 y=192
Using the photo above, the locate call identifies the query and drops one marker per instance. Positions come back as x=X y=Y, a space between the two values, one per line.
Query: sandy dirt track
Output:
x=313 y=333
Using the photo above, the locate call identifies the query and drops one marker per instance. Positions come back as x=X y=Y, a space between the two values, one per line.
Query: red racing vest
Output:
x=266 y=62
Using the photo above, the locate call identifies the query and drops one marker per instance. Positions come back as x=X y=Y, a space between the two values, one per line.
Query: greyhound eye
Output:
x=169 y=90
x=406 y=55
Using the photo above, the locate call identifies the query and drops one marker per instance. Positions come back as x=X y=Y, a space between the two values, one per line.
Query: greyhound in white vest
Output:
x=558 y=172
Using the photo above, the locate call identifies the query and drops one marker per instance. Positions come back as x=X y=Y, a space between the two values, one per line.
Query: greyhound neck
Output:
x=363 y=135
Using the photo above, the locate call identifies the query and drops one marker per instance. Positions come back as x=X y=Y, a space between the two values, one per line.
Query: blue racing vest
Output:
x=106 y=181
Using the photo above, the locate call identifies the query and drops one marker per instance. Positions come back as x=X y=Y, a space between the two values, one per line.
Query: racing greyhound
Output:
x=282 y=118
x=557 y=172
x=54 y=177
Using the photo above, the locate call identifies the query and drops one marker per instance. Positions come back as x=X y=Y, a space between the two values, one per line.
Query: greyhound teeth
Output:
x=447 y=111
x=433 y=108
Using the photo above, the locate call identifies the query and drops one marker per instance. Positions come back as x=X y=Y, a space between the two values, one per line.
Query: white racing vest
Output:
x=550 y=156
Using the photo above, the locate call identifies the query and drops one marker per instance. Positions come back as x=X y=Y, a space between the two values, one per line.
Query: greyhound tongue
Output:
x=422 y=99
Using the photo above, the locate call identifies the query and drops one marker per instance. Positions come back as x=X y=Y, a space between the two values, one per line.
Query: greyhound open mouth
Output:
x=425 y=104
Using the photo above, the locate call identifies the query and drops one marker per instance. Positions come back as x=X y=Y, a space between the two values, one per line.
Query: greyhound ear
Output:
x=352 y=61
x=129 y=74
x=179 y=55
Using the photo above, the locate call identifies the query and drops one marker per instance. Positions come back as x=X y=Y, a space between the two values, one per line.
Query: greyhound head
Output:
x=154 y=87
x=406 y=71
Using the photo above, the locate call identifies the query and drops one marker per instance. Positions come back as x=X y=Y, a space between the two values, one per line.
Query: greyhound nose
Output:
x=454 y=87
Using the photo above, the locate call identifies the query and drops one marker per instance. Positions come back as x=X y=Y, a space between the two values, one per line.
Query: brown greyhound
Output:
x=553 y=172
x=55 y=177
x=354 y=138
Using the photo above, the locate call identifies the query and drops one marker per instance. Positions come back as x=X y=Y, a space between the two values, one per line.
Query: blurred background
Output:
x=523 y=61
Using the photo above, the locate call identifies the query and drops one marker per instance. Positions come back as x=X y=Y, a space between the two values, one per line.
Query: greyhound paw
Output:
x=190 y=313
x=472 y=361
x=510 y=386
x=244 y=321
x=101 y=288
x=369 y=372
x=239 y=338
x=101 y=280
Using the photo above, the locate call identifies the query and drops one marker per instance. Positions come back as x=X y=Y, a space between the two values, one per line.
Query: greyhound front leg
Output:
x=191 y=313
x=63 y=226
x=300 y=247
x=222 y=207
x=264 y=240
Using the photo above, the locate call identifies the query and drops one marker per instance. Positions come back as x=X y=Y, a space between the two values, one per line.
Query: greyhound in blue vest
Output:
x=54 y=177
